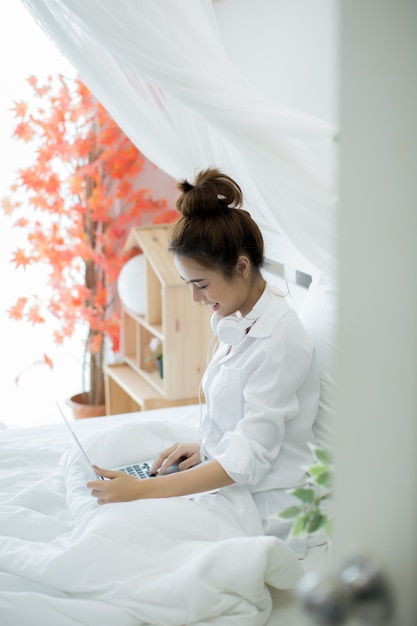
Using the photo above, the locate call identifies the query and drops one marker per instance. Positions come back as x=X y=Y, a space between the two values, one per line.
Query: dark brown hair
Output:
x=214 y=230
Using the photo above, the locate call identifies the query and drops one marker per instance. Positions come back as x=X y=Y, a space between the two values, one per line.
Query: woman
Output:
x=261 y=386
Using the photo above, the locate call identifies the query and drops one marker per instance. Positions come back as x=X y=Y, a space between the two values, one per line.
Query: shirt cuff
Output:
x=242 y=459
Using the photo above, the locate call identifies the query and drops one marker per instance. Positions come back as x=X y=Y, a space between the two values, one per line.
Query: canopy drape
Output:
x=162 y=72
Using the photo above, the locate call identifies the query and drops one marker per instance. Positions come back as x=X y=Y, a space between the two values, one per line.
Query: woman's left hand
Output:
x=120 y=487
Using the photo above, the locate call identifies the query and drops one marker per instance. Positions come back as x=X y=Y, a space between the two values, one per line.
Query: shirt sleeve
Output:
x=276 y=369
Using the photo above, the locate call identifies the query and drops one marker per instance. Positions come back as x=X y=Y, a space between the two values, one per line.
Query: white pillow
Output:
x=319 y=315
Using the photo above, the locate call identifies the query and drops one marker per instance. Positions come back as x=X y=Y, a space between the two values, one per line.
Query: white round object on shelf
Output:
x=131 y=284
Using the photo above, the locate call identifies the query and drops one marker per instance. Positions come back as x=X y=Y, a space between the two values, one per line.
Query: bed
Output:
x=65 y=560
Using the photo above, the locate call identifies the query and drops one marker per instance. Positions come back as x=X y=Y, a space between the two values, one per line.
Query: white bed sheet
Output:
x=65 y=560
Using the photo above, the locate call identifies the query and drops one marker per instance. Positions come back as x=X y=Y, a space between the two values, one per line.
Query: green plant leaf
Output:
x=290 y=513
x=304 y=494
x=314 y=520
x=318 y=470
x=325 y=480
x=298 y=527
x=323 y=456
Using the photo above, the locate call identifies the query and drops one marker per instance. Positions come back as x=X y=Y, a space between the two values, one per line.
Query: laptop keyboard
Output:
x=141 y=470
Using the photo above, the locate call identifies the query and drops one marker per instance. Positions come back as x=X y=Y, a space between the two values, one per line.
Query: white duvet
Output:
x=65 y=560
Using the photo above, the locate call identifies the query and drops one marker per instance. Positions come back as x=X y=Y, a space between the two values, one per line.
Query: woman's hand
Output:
x=185 y=455
x=120 y=488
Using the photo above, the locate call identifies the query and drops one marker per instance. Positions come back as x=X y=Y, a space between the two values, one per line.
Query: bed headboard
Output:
x=286 y=268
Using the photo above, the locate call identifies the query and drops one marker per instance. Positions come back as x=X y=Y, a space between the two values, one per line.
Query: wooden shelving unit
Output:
x=182 y=326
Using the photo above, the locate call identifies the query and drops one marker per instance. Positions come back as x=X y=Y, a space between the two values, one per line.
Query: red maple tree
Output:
x=76 y=204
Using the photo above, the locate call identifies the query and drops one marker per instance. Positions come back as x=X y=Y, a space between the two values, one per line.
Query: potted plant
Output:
x=313 y=513
x=155 y=347
x=76 y=203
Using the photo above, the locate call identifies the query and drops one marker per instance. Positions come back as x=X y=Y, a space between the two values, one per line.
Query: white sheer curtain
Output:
x=161 y=70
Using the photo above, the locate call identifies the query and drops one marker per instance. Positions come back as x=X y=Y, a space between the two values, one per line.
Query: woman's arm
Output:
x=122 y=487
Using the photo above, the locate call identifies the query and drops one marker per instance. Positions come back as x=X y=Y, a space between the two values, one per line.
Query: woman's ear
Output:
x=243 y=266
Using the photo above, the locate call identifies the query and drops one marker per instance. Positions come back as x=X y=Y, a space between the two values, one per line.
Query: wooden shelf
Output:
x=151 y=376
x=127 y=391
x=182 y=326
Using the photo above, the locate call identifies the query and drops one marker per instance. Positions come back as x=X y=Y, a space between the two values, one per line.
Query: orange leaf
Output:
x=68 y=329
x=48 y=361
x=20 y=108
x=22 y=222
x=16 y=312
x=101 y=297
x=39 y=202
x=30 y=178
x=76 y=301
x=20 y=258
x=41 y=91
x=166 y=216
x=24 y=131
x=52 y=185
x=76 y=185
x=32 y=80
x=7 y=205
x=34 y=315
x=58 y=337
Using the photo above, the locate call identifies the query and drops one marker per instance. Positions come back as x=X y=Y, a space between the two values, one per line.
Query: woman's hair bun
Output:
x=184 y=186
x=213 y=229
x=212 y=191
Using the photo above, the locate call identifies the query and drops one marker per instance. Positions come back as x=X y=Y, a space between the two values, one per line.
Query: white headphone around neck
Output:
x=231 y=329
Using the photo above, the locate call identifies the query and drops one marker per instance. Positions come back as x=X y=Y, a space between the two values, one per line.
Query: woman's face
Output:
x=210 y=287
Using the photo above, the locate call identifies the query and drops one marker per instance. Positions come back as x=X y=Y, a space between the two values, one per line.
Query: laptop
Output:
x=140 y=469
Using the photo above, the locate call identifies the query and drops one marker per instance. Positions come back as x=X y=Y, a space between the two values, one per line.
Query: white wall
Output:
x=160 y=184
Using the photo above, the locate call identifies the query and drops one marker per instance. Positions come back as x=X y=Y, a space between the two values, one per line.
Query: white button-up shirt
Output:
x=261 y=401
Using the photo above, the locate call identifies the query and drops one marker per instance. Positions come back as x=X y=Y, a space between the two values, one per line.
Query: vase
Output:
x=81 y=409
x=131 y=285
